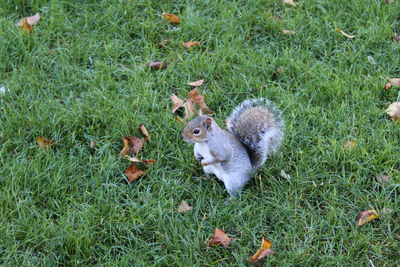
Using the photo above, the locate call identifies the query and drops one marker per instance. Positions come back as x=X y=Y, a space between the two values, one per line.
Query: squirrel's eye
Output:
x=196 y=131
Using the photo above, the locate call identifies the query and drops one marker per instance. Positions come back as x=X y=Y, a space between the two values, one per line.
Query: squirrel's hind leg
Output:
x=235 y=183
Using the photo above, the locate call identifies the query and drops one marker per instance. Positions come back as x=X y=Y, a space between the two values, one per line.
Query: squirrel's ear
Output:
x=207 y=123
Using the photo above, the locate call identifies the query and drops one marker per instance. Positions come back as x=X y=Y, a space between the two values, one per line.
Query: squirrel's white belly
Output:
x=216 y=168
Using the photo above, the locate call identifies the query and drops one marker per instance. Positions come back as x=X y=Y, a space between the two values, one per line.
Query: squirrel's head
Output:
x=196 y=130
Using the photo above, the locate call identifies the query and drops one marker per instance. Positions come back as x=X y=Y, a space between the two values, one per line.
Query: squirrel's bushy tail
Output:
x=259 y=126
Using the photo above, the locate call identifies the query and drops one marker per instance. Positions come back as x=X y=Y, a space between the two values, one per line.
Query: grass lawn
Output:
x=81 y=76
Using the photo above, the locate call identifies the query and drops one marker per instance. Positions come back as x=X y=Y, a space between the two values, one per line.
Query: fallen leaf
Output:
x=184 y=207
x=196 y=83
x=186 y=104
x=264 y=251
x=392 y=82
x=26 y=26
x=158 y=65
x=30 y=20
x=144 y=131
x=198 y=99
x=189 y=45
x=345 y=34
x=133 y=173
x=365 y=216
x=127 y=147
x=394 y=111
x=290 y=2
x=219 y=238
x=349 y=144
x=172 y=18
x=383 y=179
x=147 y=162
x=288 y=32
x=44 y=143
x=137 y=144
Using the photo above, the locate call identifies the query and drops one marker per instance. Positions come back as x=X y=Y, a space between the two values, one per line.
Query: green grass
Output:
x=81 y=77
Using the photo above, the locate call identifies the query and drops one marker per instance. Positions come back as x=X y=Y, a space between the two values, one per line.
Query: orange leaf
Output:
x=184 y=207
x=172 y=18
x=127 y=147
x=263 y=252
x=26 y=26
x=44 y=143
x=144 y=131
x=365 y=216
x=196 y=83
x=219 y=238
x=198 y=99
x=189 y=44
x=158 y=65
x=392 y=82
x=133 y=173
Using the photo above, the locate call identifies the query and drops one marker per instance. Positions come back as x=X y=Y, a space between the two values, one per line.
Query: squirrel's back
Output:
x=259 y=126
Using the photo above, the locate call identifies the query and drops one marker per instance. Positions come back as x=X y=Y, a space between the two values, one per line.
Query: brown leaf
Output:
x=383 y=179
x=133 y=173
x=189 y=44
x=26 y=26
x=184 y=207
x=30 y=20
x=263 y=252
x=127 y=147
x=345 y=34
x=392 y=82
x=366 y=216
x=144 y=131
x=158 y=65
x=290 y=2
x=288 y=32
x=349 y=144
x=137 y=144
x=394 y=111
x=186 y=104
x=147 y=162
x=196 y=83
x=198 y=99
x=44 y=143
x=219 y=238
x=172 y=18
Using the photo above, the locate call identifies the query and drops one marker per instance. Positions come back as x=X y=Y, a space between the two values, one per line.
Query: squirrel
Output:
x=255 y=132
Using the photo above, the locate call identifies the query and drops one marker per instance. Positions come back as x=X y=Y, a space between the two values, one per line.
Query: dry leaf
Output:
x=196 y=83
x=131 y=144
x=186 y=104
x=188 y=45
x=44 y=143
x=172 y=18
x=383 y=179
x=349 y=144
x=127 y=147
x=365 y=216
x=288 y=32
x=394 y=111
x=144 y=131
x=198 y=99
x=219 y=238
x=26 y=26
x=147 y=162
x=345 y=34
x=263 y=252
x=158 y=65
x=392 y=82
x=30 y=20
x=290 y=2
x=133 y=173
x=184 y=207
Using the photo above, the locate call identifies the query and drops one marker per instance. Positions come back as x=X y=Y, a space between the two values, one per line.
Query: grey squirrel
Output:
x=255 y=132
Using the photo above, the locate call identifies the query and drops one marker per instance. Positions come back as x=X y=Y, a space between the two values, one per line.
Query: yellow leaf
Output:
x=263 y=252
x=366 y=216
x=345 y=34
x=172 y=18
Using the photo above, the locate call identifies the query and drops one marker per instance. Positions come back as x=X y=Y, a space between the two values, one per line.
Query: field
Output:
x=81 y=76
